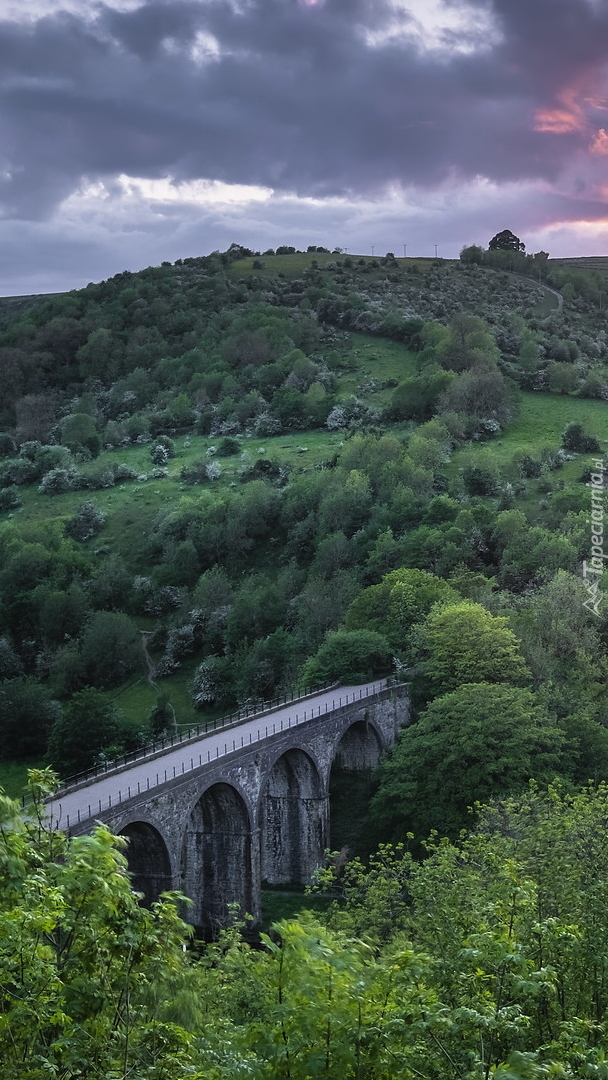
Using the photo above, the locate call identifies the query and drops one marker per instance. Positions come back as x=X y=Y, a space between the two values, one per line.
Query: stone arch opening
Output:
x=293 y=818
x=148 y=860
x=216 y=865
x=359 y=749
x=350 y=783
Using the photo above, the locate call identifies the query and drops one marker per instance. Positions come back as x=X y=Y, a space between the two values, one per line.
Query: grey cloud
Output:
x=296 y=98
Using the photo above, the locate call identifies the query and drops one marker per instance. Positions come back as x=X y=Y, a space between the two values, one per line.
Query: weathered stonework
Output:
x=261 y=813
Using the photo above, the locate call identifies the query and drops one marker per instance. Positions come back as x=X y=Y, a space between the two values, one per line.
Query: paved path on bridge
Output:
x=118 y=786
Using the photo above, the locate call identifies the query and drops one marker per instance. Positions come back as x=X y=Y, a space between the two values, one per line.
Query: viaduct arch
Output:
x=293 y=816
x=258 y=811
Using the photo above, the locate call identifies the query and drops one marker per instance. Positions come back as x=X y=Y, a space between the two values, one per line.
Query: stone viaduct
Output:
x=247 y=804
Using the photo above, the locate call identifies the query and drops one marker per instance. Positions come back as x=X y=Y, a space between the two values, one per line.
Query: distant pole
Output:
x=435 y=250
x=404 y=250
x=373 y=246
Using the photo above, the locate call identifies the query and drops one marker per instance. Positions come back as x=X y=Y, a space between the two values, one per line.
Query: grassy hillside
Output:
x=258 y=439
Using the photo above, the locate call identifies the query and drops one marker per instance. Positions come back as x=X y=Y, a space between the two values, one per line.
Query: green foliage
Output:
x=213 y=683
x=84 y=968
x=574 y=438
x=88 y=521
x=78 y=433
x=27 y=715
x=89 y=725
x=465 y=643
x=351 y=655
x=481 y=741
x=228 y=447
x=10 y=498
x=161 y=719
x=111 y=648
x=488 y=959
x=395 y=606
x=469 y=343
x=513 y=922
x=416 y=398
x=482 y=395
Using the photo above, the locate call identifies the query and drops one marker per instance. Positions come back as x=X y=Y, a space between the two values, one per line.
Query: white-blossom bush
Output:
x=213 y=470
x=336 y=419
x=211 y=682
x=159 y=454
x=58 y=481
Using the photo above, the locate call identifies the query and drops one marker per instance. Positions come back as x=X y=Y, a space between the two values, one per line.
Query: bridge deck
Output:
x=115 y=788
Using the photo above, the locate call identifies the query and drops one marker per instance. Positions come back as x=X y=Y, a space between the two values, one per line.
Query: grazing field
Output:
x=539 y=423
x=13 y=776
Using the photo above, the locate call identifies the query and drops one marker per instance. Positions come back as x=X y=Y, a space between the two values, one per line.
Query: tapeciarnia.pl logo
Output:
x=593 y=570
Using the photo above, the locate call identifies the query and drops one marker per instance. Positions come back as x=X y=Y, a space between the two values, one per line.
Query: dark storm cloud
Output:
x=296 y=97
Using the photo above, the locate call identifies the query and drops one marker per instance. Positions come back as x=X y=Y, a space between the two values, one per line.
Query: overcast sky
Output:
x=133 y=132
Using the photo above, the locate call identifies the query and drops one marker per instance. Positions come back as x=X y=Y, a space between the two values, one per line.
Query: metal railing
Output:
x=160 y=777
x=192 y=732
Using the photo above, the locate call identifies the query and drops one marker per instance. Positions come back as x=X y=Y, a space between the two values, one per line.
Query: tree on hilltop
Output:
x=506 y=241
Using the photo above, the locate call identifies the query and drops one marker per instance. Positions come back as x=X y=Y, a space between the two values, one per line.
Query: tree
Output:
x=350 y=655
x=84 y=968
x=111 y=648
x=161 y=718
x=27 y=715
x=481 y=741
x=62 y=614
x=562 y=378
x=513 y=918
x=78 y=433
x=506 y=241
x=464 y=643
x=88 y=521
x=473 y=254
x=574 y=438
x=89 y=725
x=468 y=343
x=417 y=396
x=395 y=606
x=482 y=394
x=213 y=683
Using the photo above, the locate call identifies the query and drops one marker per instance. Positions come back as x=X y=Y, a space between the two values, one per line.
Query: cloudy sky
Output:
x=134 y=131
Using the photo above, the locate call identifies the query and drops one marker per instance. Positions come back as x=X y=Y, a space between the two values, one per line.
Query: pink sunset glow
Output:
x=140 y=130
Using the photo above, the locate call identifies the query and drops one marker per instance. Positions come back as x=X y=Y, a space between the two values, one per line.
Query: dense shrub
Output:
x=87 y=522
x=58 y=481
x=574 y=438
x=10 y=498
x=213 y=683
x=19 y=471
x=356 y=655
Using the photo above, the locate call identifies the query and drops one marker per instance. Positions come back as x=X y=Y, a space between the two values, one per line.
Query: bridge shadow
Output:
x=293 y=820
x=216 y=870
x=148 y=861
x=351 y=785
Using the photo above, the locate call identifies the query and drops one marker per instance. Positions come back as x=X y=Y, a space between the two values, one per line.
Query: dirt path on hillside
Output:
x=145 y=634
